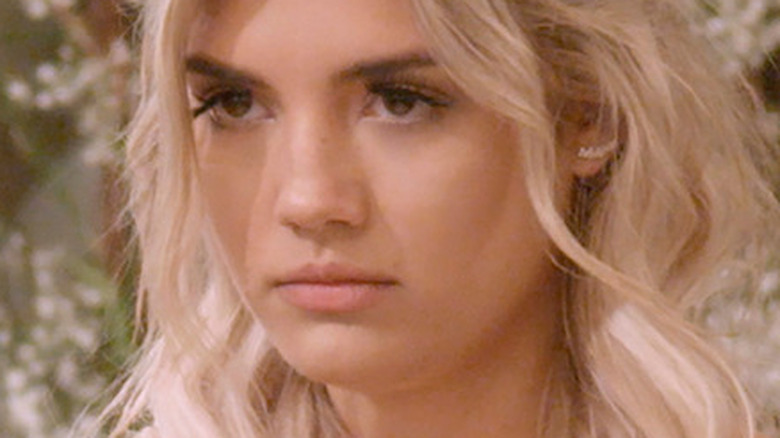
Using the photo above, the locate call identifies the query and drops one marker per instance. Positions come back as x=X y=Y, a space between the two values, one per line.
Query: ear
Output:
x=587 y=145
x=591 y=151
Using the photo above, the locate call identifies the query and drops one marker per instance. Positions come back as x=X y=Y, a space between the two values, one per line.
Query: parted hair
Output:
x=682 y=212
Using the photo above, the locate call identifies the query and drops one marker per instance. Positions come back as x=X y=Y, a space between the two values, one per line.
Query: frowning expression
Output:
x=374 y=217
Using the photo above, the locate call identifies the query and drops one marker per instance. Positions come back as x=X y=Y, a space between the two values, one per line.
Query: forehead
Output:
x=289 y=31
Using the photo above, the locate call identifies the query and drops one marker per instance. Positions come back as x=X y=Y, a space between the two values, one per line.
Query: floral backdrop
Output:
x=66 y=91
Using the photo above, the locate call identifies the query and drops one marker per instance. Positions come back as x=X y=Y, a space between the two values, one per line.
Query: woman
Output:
x=481 y=218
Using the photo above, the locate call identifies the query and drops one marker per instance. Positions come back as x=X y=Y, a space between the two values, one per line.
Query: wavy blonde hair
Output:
x=644 y=243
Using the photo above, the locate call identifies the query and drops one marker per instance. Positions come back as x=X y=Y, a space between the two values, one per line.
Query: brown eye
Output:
x=235 y=104
x=233 y=108
x=404 y=104
x=400 y=102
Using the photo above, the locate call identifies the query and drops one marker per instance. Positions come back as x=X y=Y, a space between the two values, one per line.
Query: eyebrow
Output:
x=370 y=69
x=384 y=67
x=206 y=66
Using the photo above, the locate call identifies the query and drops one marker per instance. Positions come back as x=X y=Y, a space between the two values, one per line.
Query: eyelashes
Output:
x=230 y=106
x=400 y=102
x=404 y=102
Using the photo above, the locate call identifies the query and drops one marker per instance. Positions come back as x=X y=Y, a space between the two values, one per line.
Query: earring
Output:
x=596 y=152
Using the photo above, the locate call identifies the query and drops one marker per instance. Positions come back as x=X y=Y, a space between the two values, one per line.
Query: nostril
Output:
x=312 y=205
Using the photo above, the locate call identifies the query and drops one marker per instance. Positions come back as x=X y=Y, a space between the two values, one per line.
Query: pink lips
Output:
x=332 y=288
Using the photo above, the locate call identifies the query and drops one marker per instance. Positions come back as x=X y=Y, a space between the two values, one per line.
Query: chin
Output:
x=341 y=355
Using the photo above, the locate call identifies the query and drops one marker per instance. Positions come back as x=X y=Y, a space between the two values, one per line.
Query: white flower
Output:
x=45 y=306
x=89 y=296
x=44 y=101
x=744 y=31
x=18 y=91
x=770 y=283
x=27 y=410
x=36 y=9
x=84 y=337
x=46 y=73
x=15 y=380
x=67 y=373
x=44 y=280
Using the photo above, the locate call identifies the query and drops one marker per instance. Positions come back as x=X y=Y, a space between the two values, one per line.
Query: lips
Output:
x=333 y=288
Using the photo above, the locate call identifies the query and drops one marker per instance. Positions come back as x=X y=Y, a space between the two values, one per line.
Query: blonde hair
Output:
x=644 y=243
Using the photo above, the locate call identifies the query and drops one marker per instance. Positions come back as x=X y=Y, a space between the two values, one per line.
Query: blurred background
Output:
x=67 y=88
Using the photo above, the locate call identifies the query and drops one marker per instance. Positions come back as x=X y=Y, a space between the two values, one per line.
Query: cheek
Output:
x=228 y=196
x=229 y=175
x=458 y=211
x=474 y=256
x=473 y=249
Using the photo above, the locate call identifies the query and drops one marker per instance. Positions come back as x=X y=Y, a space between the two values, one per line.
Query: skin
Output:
x=315 y=167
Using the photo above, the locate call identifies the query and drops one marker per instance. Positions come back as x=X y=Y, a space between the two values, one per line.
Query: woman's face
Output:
x=374 y=217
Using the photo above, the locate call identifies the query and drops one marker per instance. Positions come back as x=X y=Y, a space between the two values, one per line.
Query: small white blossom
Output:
x=87 y=389
x=67 y=373
x=63 y=95
x=27 y=410
x=97 y=154
x=15 y=380
x=44 y=279
x=66 y=52
x=90 y=296
x=770 y=283
x=119 y=53
x=45 y=306
x=84 y=337
x=44 y=101
x=46 y=73
x=18 y=91
x=36 y=9
x=744 y=30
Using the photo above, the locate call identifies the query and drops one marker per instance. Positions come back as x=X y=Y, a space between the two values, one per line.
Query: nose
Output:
x=322 y=187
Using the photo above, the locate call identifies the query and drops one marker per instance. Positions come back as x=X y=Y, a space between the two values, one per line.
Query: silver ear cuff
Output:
x=596 y=152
